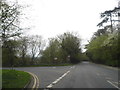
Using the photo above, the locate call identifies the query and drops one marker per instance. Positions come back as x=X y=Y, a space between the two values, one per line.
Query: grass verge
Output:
x=50 y=65
x=14 y=79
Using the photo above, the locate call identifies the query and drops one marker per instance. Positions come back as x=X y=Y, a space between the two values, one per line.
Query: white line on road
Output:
x=49 y=86
x=57 y=80
x=116 y=83
x=53 y=67
x=113 y=84
x=98 y=74
x=73 y=66
x=108 y=78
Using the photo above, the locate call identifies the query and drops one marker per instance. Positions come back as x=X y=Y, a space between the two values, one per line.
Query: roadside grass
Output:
x=14 y=78
x=50 y=65
x=0 y=78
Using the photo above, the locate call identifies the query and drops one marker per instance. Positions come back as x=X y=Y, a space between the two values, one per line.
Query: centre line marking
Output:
x=108 y=78
x=98 y=74
x=57 y=80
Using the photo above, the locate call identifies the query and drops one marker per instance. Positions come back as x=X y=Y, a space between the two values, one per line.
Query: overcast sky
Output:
x=53 y=17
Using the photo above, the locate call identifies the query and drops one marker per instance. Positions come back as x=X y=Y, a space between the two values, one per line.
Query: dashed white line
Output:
x=53 y=67
x=72 y=67
x=57 y=80
x=113 y=84
x=98 y=74
x=116 y=83
x=108 y=78
x=49 y=86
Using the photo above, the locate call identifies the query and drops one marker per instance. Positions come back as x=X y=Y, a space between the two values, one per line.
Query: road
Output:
x=83 y=75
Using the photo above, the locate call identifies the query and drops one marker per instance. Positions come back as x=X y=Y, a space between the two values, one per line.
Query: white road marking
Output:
x=116 y=82
x=57 y=80
x=49 y=86
x=73 y=66
x=107 y=78
x=60 y=78
x=54 y=67
x=98 y=74
x=113 y=84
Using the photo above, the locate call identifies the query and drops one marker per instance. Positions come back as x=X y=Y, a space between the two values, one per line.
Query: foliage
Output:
x=9 y=29
x=9 y=57
x=9 y=23
x=108 y=16
x=104 y=49
x=63 y=49
x=104 y=45
x=23 y=49
x=36 y=46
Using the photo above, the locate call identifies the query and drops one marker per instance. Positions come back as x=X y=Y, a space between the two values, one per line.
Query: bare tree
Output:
x=23 y=49
x=9 y=23
x=36 y=46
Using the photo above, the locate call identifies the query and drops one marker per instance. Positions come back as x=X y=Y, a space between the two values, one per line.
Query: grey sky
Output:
x=53 y=17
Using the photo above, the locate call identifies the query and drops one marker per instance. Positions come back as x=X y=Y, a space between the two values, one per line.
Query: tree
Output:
x=9 y=23
x=52 y=52
x=70 y=43
x=23 y=49
x=110 y=45
x=104 y=48
x=36 y=46
x=109 y=16
x=64 y=48
x=94 y=49
x=9 y=54
x=9 y=29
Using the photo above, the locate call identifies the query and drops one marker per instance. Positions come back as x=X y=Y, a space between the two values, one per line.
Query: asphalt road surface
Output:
x=83 y=75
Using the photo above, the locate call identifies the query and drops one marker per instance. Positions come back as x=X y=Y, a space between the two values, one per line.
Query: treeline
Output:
x=64 y=48
x=31 y=50
x=104 y=47
x=21 y=50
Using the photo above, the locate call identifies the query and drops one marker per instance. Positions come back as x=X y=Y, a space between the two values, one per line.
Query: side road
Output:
x=83 y=75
